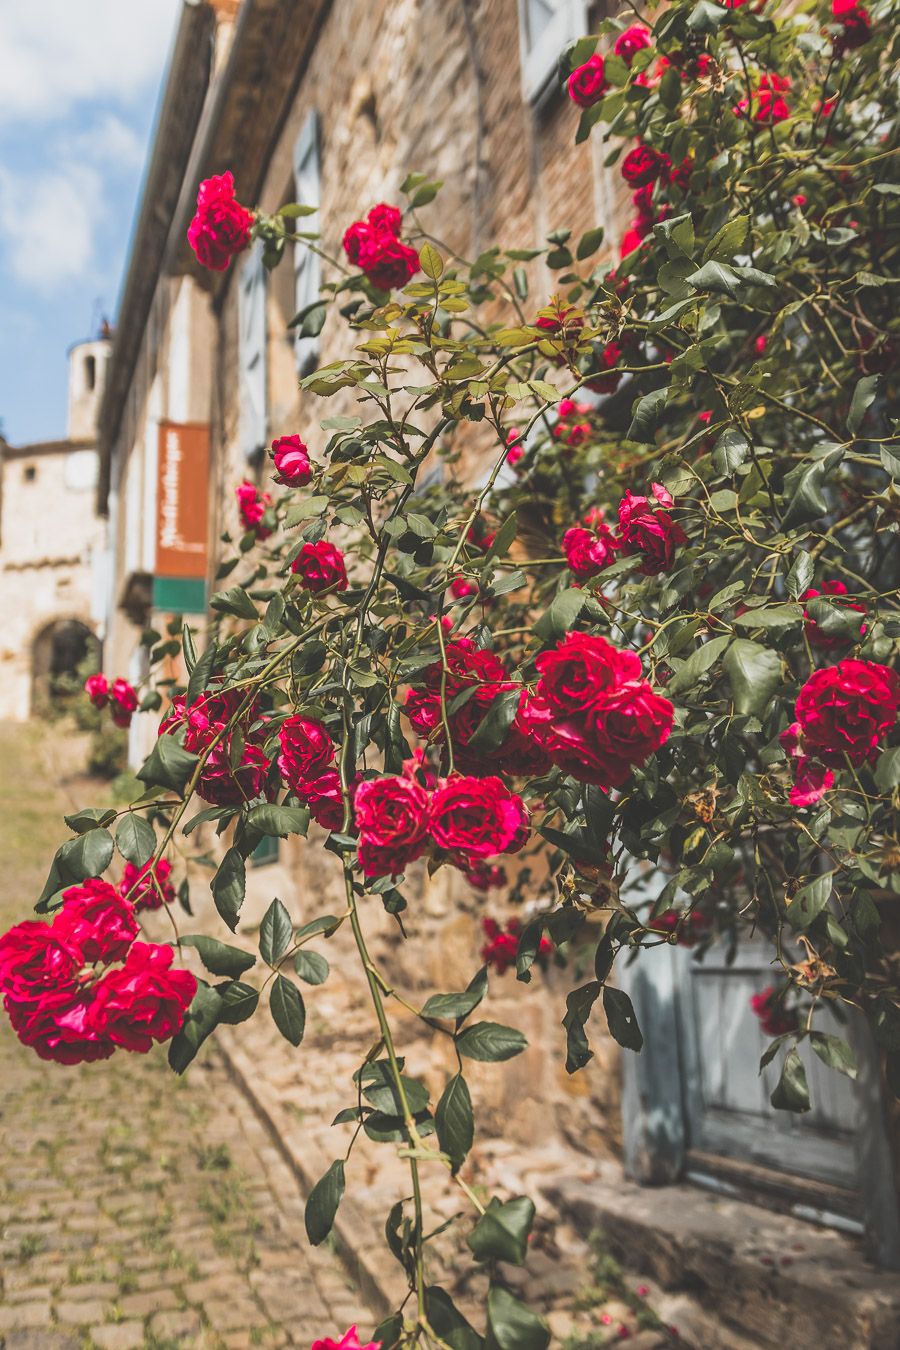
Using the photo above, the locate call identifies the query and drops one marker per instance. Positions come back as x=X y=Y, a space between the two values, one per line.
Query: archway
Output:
x=60 y=653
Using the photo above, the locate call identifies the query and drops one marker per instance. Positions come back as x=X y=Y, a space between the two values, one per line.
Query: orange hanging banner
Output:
x=182 y=500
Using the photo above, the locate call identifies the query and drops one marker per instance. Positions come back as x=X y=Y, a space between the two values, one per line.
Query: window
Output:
x=307 y=264
x=90 y=372
x=252 y=355
x=546 y=28
x=266 y=851
x=29 y=473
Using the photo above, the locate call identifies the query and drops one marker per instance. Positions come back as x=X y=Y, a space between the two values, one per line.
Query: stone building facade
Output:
x=52 y=547
x=333 y=103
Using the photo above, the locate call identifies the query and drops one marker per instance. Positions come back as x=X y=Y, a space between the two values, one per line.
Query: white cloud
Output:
x=56 y=53
x=109 y=142
x=48 y=223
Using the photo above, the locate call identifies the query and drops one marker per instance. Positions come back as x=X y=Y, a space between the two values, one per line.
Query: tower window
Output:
x=90 y=371
x=29 y=473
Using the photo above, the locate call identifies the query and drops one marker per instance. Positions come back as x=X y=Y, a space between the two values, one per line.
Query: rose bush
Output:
x=660 y=639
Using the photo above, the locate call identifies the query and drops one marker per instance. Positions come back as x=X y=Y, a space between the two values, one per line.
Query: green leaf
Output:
x=792 y=1090
x=579 y=1004
x=135 y=839
x=501 y=1234
x=834 y=1052
x=234 y=601
x=729 y=240
x=169 y=765
x=455 y=1121
x=279 y=821
x=806 y=499
x=589 y=242
x=311 y=966
x=770 y=616
x=563 y=612
x=458 y=1005
x=275 y=932
x=447 y=1321
x=730 y=450
x=703 y=659
x=706 y=17
x=491 y=1042
x=326 y=923
x=229 y=886
x=492 y=730
x=90 y=818
x=646 y=415
x=322 y=1205
x=431 y=261
x=863 y=397
x=88 y=855
x=218 y=957
x=504 y=537
x=620 y=1017
x=239 y=1001
x=717 y=277
x=512 y=1326
x=754 y=672
x=809 y=902
x=200 y=675
x=288 y=1012
x=887 y=770
x=200 y=1021
x=799 y=578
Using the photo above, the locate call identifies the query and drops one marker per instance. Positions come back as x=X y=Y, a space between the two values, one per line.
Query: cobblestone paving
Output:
x=136 y=1209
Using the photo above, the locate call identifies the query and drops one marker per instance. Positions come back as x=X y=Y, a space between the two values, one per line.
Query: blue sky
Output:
x=79 y=81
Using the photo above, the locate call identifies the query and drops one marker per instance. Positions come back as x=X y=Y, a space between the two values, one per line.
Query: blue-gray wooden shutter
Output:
x=546 y=28
x=307 y=264
x=253 y=355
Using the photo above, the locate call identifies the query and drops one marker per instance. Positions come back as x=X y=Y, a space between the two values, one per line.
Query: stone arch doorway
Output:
x=58 y=653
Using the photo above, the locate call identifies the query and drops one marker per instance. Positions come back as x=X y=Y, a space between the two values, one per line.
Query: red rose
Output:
x=306 y=749
x=349 y=1341
x=774 y=1018
x=484 y=876
x=97 y=689
x=632 y=41
x=589 y=551
x=392 y=815
x=252 y=507
x=476 y=818
x=594 y=713
x=521 y=755
x=385 y=219
x=62 y=1034
x=811 y=782
x=502 y=948
x=855 y=22
x=324 y=797
x=643 y=165
x=387 y=262
x=475 y=677
x=224 y=784
x=37 y=963
x=587 y=84
x=689 y=927
x=607 y=360
x=143 y=1001
x=353 y=240
x=137 y=885
x=847 y=709
x=221 y=226
x=320 y=567
x=291 y=461
x=96 y=919
x=825 y=641
x=123 y=703
x=631 y=240
x=647 y=531
x=767 y=104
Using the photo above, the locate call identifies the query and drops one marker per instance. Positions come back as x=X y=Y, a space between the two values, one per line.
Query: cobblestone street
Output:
x=136 y=1209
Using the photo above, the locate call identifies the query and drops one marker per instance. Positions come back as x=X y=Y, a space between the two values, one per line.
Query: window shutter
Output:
x=307 y=264
x=252 y=354
x=546 y=28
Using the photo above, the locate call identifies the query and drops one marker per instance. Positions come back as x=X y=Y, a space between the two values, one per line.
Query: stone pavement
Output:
x=137 y=1209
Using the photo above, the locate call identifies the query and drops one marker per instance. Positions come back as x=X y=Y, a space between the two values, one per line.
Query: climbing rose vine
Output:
x=653 y=651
